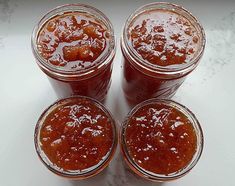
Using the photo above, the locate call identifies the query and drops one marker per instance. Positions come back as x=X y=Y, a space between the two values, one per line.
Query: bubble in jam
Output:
x=163 y=37
x=76 y=135
x=73 y=41
x=160 y=138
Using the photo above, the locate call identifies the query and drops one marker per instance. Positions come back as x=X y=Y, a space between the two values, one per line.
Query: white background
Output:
x=25 y=92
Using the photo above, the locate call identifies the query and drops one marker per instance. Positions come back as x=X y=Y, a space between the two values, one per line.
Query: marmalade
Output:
x=74 y=46
x=160 y=138
x=163 y=38
x=161 y=44
x=73 y=41
x=76 y=135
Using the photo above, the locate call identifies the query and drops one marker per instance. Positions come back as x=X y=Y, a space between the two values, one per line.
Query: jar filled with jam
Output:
x=74 y=46
x=161 y=140
x=161 y=44
x=76 y=137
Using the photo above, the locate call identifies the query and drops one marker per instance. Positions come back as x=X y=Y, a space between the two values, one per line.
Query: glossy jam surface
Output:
x=160 y=138
x=73 y=41
x=76 y=135
x=163 y=37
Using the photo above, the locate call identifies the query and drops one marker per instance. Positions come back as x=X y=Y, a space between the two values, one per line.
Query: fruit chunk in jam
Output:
x=72 y=41
x=160 y=138
x=76 y=135
x=163 y=38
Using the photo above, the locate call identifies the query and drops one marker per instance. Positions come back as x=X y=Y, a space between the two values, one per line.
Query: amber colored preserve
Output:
x=161 y=44
x=161 y=140
x=76 y=137
x=74 y=45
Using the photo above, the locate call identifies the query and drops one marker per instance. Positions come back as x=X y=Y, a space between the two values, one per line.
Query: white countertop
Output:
x=25 y=92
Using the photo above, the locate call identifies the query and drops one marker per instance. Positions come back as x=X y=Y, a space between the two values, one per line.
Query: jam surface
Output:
x=76 y=135
x=163 y=37
x=160 y=139
x=73 y=41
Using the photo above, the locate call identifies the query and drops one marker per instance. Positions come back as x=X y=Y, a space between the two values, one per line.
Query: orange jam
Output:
x=74 y=46
x=162 y=43
x=73 y=41
x=163 y=37
x=76 y=135
x=160 y=138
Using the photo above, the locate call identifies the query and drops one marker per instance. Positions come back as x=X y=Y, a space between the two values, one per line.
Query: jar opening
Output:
x=84 y=173
x=99 y=63
x=153 y=69
x=148 y=174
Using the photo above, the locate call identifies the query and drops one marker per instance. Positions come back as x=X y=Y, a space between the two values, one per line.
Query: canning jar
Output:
x=74 y=46
x=161 y=44
x=76 y=137
x=161 y=140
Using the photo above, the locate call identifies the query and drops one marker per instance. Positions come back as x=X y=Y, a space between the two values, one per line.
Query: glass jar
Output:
x=76 y=137
x=160 y=146
x=93 y=81
x=143 y=80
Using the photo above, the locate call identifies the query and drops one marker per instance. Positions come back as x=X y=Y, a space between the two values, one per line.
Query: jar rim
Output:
x=101 y=62
x=89 y=172
x=152 y=69
x=161 y=177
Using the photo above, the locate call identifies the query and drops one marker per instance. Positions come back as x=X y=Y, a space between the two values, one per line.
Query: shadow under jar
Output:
x=74 y=46
x=76 y=137
x=161 y=44
x=161 y=140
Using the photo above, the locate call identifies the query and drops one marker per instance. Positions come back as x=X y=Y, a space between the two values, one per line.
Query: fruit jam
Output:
x=161 y=44
x=74 y=46
x=73 y=41
x=76 y=135
x=163 y=38
x=159 y=138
